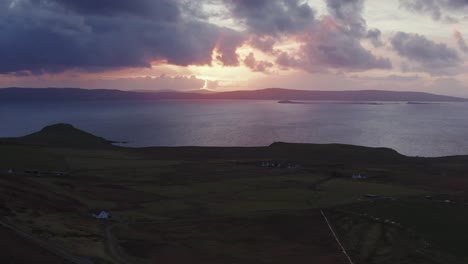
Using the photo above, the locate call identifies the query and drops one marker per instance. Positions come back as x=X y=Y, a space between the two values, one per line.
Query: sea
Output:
x=429 y=130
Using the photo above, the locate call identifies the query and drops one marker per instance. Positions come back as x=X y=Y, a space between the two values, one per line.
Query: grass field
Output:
x=375 y=241
x=18 y=250
x=442 y=223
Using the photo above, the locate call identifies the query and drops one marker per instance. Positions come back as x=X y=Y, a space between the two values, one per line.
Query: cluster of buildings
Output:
x=359 y=177
x=37 y=172
x=279 y=164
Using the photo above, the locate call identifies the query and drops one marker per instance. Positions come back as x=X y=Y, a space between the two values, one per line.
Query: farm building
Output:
x=102 y=215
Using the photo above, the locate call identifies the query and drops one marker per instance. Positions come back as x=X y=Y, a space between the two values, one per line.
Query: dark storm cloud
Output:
x=430 y=55
x=53 y=36
x=436 y=8
x=160 y=9
x=272 y=17
x=50 y=36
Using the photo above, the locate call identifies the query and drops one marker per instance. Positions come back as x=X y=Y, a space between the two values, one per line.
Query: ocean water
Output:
x=438 y=129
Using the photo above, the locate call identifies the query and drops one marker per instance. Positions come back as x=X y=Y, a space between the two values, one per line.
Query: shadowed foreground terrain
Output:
x=18 y=250
x=226 y=205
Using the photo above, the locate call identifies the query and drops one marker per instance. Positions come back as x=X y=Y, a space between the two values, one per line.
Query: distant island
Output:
x=277 y=94
x=290 y=102
x=419 y=103
x=333 y=102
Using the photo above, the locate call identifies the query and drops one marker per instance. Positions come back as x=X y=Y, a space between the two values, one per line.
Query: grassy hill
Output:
x=64 y=135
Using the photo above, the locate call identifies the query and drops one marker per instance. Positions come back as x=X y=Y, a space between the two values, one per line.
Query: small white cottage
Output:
x=102 y=215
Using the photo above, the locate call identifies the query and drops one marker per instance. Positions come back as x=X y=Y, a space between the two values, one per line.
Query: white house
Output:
x=102 y=215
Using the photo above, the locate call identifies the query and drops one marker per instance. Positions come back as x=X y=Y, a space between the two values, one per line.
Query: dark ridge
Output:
x=364 y=95
x=278 y=94
x=335 y=152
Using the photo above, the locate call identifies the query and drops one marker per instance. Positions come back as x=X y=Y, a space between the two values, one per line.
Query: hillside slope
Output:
x=63 y=135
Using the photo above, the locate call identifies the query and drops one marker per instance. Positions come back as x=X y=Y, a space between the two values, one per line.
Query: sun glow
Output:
x=216 y=76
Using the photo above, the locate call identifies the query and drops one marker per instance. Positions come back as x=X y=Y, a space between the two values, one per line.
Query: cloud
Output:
x=268 y=21
x=53 y=36
x=375 y=37
x=227 y=45
x=263 y=43
x=272 y=17
x=460 y=41
x=336 y=49
x=163 y=10
x=335 y=42
x=435 y=8
x=423 y=6
x=431 y=56
x=255 y=65
x=348 y=13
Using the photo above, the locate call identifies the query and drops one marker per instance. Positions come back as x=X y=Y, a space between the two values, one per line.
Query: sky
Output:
x=185 y=45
